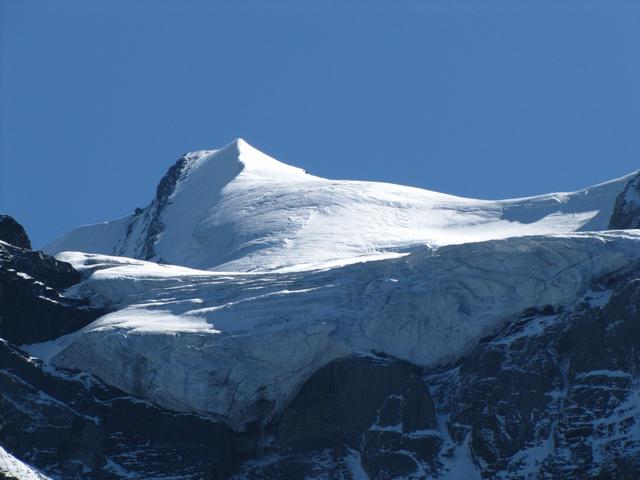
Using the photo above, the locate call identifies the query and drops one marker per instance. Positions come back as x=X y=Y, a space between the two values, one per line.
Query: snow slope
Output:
x=11 y=467
x=239 y=345
x=237 y=209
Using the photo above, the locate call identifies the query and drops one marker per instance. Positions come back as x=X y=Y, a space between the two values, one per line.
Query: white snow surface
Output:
x=12 y=467
x=238 y=346
x=237 y=209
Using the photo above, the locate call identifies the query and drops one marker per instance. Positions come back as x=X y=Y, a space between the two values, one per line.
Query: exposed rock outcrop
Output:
x=377 y=410
x=12 y=232
x=75 y=427
x=555 y=394
x=150 y=218
x=626 y=212
x=32 y=305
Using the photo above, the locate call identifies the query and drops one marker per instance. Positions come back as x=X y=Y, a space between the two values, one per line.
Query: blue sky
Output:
x=486 y=99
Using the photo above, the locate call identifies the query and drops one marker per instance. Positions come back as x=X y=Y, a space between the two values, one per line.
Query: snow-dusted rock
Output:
x=237 y=209
x=13 y=468
x=33 y=307
x=552 y=394
x=239 y=346
x=626 y=212
x=13 y=233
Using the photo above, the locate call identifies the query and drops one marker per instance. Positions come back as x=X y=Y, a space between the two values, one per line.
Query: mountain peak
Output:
x=240 y=153
x=237 y=145
x=237 y=208
x=240 y=143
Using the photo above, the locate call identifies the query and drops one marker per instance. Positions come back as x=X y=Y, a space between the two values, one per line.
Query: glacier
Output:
x=244 y=276
x=280 y=310
x=238 y=346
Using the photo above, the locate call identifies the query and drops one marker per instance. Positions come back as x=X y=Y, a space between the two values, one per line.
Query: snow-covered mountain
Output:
x=239 y=346
x=237 y=209
x=245 y=331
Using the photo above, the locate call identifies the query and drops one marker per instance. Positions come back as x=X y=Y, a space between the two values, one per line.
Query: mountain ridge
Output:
x=237 y=209
x=513 y=357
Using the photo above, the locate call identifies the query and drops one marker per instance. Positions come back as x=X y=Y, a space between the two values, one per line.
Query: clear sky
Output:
x=486 y=99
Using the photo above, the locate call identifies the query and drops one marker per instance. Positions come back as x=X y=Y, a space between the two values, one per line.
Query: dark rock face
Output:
x=626 y=212
x=150 y=218
x=345 y=398
x=552 y=395
x=75 y=427
x=373 y=408
x=32 y=306
x=165 y=188
x=12 y=232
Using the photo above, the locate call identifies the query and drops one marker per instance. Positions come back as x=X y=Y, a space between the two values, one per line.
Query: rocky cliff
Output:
x=626 y=212
x=33 y=307
x=554 y=394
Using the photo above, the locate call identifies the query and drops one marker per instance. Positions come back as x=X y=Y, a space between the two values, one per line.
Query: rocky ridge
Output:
x=236 y=209
x=13 y=233
x=33 y=307
x=626 y=212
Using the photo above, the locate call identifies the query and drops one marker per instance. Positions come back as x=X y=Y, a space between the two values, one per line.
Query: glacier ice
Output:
x=238 y=346
x=244 y=276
